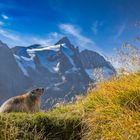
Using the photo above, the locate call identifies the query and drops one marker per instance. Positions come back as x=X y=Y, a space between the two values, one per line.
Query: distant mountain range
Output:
x=62 y=69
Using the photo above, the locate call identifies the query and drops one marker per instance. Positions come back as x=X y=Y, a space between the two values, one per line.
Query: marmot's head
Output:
x=37 y=92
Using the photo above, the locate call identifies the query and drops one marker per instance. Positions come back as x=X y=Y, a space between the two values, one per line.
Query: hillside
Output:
x=109 y=112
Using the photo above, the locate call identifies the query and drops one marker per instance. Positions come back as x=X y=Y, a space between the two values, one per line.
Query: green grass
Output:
x=39 y=126
x=111 y=111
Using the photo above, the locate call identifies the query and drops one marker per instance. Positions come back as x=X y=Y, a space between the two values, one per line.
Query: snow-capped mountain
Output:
x=57 y=68
x=61 y=68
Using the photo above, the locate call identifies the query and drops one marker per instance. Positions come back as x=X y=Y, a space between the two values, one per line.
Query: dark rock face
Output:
x=61 y=69
x=91 y=59
x=12 y=80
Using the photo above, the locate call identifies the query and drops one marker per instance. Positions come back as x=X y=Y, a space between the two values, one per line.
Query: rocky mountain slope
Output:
x=12 y=79
x=96 y=65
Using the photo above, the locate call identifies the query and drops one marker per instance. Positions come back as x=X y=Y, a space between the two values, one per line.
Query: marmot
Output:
x=28 y=102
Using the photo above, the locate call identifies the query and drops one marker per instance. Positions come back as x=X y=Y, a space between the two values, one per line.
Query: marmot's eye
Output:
x=37 y=89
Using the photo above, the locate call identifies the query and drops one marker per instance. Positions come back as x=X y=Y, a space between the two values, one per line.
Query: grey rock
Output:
x=12 y=80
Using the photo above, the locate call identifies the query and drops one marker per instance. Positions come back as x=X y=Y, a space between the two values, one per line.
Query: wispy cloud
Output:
x=13 y=38
x=9 y=35
x=81 y=40
x=4 y=16
x=50 y=39
x=120 y=31
x=95 y=27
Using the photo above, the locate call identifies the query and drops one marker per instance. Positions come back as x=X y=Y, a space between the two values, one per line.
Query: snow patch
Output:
x=90 y=73
x=51 y=66
x=20 y=65
x=56 y=68
x=24 y=63
x=43 y=48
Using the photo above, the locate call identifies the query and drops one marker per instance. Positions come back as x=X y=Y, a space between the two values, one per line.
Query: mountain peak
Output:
x=65 y=41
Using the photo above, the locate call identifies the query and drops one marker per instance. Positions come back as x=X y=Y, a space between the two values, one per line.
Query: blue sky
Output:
x=99 y=25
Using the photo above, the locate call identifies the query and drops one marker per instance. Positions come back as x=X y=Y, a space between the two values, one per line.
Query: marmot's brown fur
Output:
x=29 y=102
